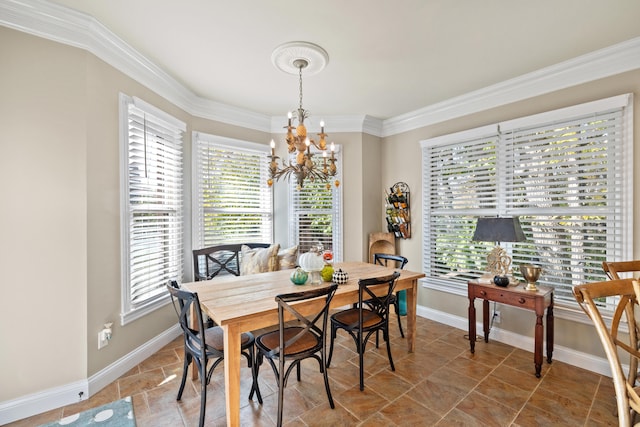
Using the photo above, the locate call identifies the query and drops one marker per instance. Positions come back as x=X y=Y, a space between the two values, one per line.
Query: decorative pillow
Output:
x=287 y=258
x=258 y=260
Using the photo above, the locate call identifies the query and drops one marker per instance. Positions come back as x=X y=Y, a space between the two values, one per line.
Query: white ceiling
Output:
x=386 y=57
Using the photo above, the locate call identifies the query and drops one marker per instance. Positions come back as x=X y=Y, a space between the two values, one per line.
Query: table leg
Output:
x=550 y=331
x=232 y=343
x=537 y=352
x=485 y=319
x=412 y=301
x=472 y=324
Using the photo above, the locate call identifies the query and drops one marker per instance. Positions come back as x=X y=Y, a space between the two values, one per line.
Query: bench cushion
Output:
x=288 y=258
x=259 y=260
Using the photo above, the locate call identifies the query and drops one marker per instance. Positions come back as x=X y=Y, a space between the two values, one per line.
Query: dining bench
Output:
x=221 y=260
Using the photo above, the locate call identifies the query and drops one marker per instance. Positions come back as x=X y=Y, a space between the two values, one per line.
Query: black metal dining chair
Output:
x=371 y=315
x=395 y=261
x=201 y=348
x=294 y=342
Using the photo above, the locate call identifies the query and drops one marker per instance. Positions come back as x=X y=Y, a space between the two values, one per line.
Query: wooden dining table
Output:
x=245 y=303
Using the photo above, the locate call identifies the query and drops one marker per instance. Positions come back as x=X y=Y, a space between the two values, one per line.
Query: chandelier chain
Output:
x=300 y=77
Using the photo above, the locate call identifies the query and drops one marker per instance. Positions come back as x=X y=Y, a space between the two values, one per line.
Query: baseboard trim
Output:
x=57 y=397
x=106 y=376
x=568 y=355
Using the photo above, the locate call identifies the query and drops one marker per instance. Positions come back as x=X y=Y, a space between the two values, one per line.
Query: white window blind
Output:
x=316 y=212
x=566 y=174
x=152 y=223
x=232 y=200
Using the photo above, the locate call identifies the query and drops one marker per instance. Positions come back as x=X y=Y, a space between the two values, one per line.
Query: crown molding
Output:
x=67 y=26
x=61 y=24
x=602 y=63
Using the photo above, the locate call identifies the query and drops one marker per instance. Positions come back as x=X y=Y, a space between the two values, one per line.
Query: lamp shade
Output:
x=499 y=230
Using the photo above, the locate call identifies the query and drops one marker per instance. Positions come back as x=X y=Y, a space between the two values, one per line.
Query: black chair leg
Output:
x=393 y=368
x=333 y=337
x=397 y=306
x=203 y=394
x=326 y=380
x=361 y=361
x=253 y=364
x=185 y=368
x=281 y=383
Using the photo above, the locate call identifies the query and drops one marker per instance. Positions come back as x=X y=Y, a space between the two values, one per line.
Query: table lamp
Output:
x=498 y=230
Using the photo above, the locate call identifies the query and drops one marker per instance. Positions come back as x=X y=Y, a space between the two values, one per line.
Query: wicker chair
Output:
x=614 y=341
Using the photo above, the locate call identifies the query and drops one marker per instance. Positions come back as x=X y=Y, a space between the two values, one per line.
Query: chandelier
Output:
x=304 y=167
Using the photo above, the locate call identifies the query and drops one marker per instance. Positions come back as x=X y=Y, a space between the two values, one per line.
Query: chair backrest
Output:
x=315 y=323
x=612 y=269
x=186 y=300
x=388 y=260
x=376 y=292
x=588 y=297
x=219 y=260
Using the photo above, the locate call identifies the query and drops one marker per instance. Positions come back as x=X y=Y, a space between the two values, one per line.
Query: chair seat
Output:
x=214 y=337
x=271 y=340
x=350 y=317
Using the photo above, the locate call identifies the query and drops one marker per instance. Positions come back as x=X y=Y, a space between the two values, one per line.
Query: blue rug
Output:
x=114 y=414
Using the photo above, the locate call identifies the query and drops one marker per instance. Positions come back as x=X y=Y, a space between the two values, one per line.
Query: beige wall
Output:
x=43 y=220
x=372 y=194
x=402 y=162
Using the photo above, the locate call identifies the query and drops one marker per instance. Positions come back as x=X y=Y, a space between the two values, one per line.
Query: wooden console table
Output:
x=516 y=296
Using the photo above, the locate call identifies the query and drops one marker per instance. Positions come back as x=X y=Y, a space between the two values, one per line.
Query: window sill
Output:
x=143 y=310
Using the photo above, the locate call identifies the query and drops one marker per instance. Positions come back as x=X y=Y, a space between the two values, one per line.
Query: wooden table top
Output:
x=233 y=299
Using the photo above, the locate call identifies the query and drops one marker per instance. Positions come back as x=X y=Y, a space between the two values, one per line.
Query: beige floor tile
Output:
x=440 y=384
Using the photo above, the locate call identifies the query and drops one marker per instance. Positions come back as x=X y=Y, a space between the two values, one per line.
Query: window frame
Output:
x=198 y=238
x=496 y=132
x=130 y=310
x=337 y=209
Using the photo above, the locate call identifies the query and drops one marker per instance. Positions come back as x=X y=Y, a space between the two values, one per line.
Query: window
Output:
x=567 y=174
x=232 y=201
x=152 y=200
x=316 y=212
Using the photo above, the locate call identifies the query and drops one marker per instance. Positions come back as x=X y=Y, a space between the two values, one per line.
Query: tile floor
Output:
x=442 y=384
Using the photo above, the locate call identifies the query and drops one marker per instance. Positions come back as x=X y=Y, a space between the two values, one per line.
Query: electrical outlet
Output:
x=103 y=339
x=497 y=316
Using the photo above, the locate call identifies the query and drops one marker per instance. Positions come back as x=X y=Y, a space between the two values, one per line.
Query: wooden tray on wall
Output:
x=381 y=243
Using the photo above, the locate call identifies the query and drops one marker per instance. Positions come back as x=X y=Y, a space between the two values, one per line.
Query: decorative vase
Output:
x=340 y=277
x=299 y=276
x=531 y=274
x=312 y=263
